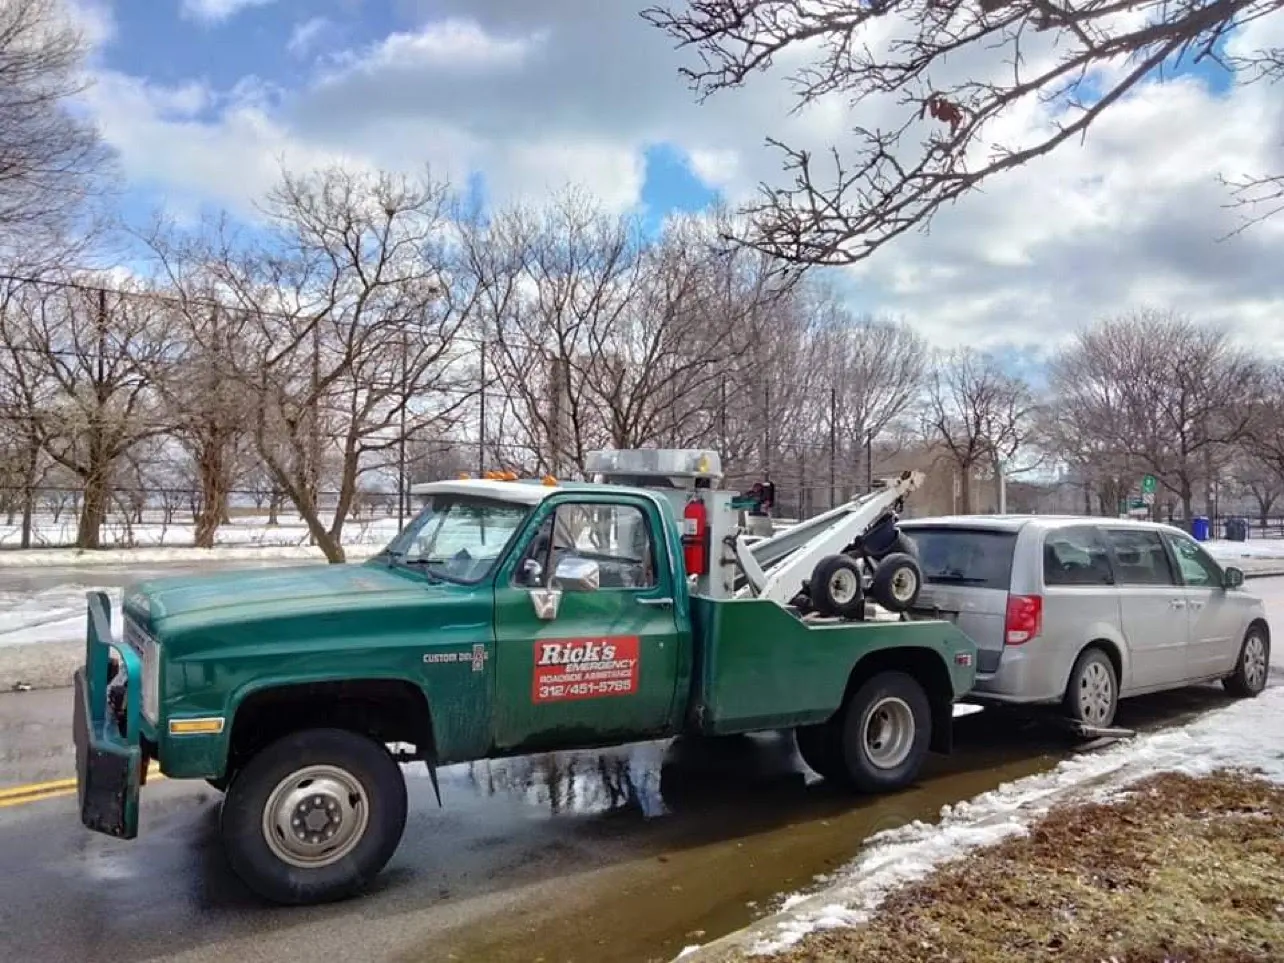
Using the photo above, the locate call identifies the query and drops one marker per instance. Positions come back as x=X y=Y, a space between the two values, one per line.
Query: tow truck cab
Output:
x=507 y=617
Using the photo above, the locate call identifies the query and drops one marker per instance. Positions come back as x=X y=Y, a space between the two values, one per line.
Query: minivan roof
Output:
x=1014 y=523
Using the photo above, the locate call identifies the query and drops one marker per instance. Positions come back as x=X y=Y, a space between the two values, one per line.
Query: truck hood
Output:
x=305 y=586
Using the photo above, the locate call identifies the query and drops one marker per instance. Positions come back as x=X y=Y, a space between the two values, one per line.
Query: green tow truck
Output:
x=510 y=617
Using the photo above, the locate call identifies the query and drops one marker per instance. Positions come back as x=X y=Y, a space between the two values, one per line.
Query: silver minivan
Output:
x=1084 y=611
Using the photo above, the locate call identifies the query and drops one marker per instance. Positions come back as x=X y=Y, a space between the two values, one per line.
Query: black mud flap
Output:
x=108 y=773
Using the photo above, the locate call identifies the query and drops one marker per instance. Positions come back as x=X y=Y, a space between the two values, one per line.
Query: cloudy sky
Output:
x=203 y=99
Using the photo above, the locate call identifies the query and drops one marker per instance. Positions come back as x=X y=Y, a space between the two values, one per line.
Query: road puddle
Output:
x=731 y=825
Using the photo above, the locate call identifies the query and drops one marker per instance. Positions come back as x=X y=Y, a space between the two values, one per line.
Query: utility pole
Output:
x=481 y=418
x=869 y=461
x=314 y=469
x=402 y=494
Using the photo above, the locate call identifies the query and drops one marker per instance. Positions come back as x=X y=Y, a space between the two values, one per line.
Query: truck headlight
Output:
x=151 y=680
x=149 y=651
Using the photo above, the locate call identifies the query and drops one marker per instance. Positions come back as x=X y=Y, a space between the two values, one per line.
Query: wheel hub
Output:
x=1096 y=694
x=889 y=732
x=843 y=586
x=316 y=816
x=1255 y=662
x=903 y=584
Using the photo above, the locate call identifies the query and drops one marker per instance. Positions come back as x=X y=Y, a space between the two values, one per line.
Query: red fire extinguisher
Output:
x=695 y=531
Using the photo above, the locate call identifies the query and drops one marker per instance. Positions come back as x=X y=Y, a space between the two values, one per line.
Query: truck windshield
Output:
x=457 y=538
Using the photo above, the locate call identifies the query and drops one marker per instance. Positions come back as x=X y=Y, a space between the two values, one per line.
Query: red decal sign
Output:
x=568 y=669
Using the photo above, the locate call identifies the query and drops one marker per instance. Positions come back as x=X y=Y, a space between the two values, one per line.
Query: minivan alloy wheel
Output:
x=1096 y=694
x=1255 y=662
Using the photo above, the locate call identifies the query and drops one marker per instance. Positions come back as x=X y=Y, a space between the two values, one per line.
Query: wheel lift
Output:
x=856 y=540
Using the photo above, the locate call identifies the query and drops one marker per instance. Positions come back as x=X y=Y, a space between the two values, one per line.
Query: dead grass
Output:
x=1182 y=869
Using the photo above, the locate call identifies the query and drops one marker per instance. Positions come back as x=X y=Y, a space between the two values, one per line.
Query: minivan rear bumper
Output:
x=1027 y=674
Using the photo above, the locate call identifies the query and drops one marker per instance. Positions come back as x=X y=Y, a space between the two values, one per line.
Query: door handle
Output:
x=658 y=603
x=1178 y=603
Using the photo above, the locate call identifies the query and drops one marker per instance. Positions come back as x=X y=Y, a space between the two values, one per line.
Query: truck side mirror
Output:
x=1232 y=577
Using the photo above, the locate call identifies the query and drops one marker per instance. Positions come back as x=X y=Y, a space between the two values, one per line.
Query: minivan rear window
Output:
x=975 y=557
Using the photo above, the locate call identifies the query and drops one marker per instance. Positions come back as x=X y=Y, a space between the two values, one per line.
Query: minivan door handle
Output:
x=1178 y=603
x=663 y=603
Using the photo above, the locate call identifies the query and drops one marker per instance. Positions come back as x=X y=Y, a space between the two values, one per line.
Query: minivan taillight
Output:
x=1025 y=618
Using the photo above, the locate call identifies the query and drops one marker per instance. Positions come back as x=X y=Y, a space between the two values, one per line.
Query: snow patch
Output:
x=1244 y=735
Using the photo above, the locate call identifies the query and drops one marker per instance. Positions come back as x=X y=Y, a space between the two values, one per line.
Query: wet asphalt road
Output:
x=622 y=855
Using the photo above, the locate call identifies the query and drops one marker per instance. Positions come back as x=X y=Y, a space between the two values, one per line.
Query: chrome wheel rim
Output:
x=904 y=584
x=889 y=732
x=1096 y=694
x=843 y=586
x=1255 y=662
x=316 y=816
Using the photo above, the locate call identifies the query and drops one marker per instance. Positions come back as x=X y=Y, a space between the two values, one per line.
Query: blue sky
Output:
x=516 y=98
x=278 y=43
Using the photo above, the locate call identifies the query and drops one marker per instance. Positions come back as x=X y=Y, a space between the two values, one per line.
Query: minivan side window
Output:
x=1076 y=556
x=1139 y=557
x=1197 y=568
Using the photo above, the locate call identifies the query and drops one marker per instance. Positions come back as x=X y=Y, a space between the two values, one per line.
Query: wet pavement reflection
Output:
x=621 y=854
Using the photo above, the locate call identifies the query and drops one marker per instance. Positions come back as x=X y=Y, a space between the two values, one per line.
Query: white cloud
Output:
x=448 y=44
x=536 y=96
x=216 y=11
x=305 y=35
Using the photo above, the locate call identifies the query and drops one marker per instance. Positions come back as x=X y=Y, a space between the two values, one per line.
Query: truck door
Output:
x=602 y=662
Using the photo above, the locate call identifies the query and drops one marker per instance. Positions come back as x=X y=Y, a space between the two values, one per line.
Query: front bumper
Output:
x=110 y=762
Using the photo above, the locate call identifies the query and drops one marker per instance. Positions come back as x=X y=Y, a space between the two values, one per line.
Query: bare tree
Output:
x=80 y=362
x=348 y=319
x=939 y=145
x=875 y=369
x=1173 y=395
x=50 y=159
x=212 y=414
x=980 y=415
x=1261 y=464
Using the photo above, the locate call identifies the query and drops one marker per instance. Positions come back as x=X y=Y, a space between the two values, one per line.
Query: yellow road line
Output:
x=32 y=792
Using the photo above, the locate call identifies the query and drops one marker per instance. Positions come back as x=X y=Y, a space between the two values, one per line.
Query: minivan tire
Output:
x=1253 y=665
x=349 y=770
x=1092 y=694
x=902 y=738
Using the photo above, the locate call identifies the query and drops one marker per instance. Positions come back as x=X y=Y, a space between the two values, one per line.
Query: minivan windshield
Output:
x=457 y=537
x=974 y=557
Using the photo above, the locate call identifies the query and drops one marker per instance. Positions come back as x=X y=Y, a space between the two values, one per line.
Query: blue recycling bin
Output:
x=1199 y=528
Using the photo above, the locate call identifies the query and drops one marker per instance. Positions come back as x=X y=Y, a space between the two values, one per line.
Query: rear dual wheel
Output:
x=878 y=741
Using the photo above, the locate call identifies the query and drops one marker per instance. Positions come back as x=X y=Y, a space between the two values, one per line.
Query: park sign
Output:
x=1147 y=484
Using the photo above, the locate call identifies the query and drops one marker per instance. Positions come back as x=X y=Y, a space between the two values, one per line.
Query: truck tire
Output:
x=287 y=807
x=1253 y=665
x=897 y=582
x=836 y=587
x=886 y=731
